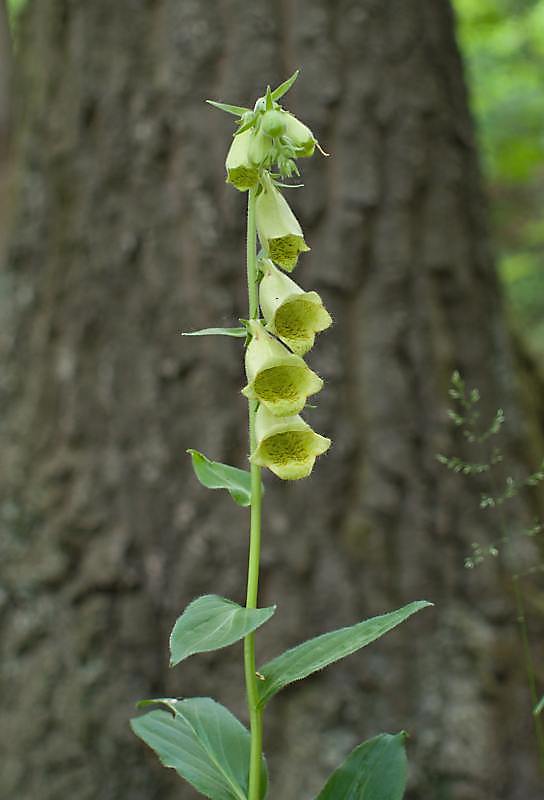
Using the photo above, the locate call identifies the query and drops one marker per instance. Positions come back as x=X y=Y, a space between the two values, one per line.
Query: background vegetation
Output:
x=503 y=45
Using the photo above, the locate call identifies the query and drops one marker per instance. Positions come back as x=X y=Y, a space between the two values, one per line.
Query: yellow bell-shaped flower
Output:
x=287 y=446
x=293 y=315
x=247 y=152
x=280 y=380
x=279 y=230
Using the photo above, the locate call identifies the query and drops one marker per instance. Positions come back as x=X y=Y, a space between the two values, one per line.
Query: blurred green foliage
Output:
x=14 y=7
x=503 y=46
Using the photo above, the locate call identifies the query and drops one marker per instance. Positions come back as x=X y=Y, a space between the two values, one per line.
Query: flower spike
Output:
x=287 y=446
x=279 y=230
x=293 y=315
x=280 y=380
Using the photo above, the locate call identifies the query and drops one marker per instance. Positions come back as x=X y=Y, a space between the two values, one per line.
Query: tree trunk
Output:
x=124 y=234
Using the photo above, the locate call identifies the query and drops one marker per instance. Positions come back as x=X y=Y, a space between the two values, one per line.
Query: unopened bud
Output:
x=273 y=122
x=299 y=135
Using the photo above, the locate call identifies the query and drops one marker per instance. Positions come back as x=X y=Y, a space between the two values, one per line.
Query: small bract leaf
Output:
x=212 y=622
x=204 y=743
x=239 y=333
x=375 y=770
x=269 y=101
x=215 y=475
x=238 y=111
x=315 y=654
x=284 y=87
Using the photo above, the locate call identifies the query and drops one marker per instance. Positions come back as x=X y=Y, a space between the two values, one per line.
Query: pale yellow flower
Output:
x=279 y=230
x=280 y=380
x=247 y=151
x=292 y=314
x=286 y=445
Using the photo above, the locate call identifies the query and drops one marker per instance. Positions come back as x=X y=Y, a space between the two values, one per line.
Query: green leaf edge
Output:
x=237 y=111
x=271 y=609
x=239 y=333
x=284 y=87
x=169 y=703
x=402 y=735
x=418 y=605
x=197 y=453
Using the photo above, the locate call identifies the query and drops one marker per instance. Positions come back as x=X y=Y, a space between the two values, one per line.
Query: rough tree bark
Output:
x=124 y=234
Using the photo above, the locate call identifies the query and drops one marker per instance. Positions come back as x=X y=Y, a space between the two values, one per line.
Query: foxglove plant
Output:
x=198 y=737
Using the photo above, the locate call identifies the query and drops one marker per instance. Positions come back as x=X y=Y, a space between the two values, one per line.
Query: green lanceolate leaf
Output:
x=204 y=743
x=284 y=87
x=539 y=707
x=238 y=111
x=376 y=770
x=238 y=332
x=315 y=654
x=215 y=475
x=212 y=622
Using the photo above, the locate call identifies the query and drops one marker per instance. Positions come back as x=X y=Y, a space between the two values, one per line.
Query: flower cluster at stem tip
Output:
x=263 y=152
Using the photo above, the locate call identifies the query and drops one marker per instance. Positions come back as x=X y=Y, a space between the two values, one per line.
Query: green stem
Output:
x=524 y=634
x=529 y=666
x=255 y=714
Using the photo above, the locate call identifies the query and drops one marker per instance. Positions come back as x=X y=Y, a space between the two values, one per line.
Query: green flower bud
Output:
x=247 y=151
x=273 y=122
x=293 y=315
x=279 y=230
x=287 y=446
x=280 y=380
x=300 y=135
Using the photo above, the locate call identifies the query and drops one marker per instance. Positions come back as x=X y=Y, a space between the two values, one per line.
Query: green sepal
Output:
x=212 y=622
x=268 y=99
x=203 y=742
x=238 y=111
x=215 y=475
x=315 y=654
x=375 y=770
x=239 y=333
x=284 y=87
x=245 y=126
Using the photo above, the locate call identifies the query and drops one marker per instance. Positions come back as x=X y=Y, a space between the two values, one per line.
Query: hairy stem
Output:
x=255 y=714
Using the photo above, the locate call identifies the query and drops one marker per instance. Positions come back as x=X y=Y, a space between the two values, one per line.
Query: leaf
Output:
x=215 y=475
x=204 y=743
x=238 y=111
x=315 y=654
x=375 y=770
x=212 y=622
x=539 y=707
x=238 y=332
x=284 y=87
